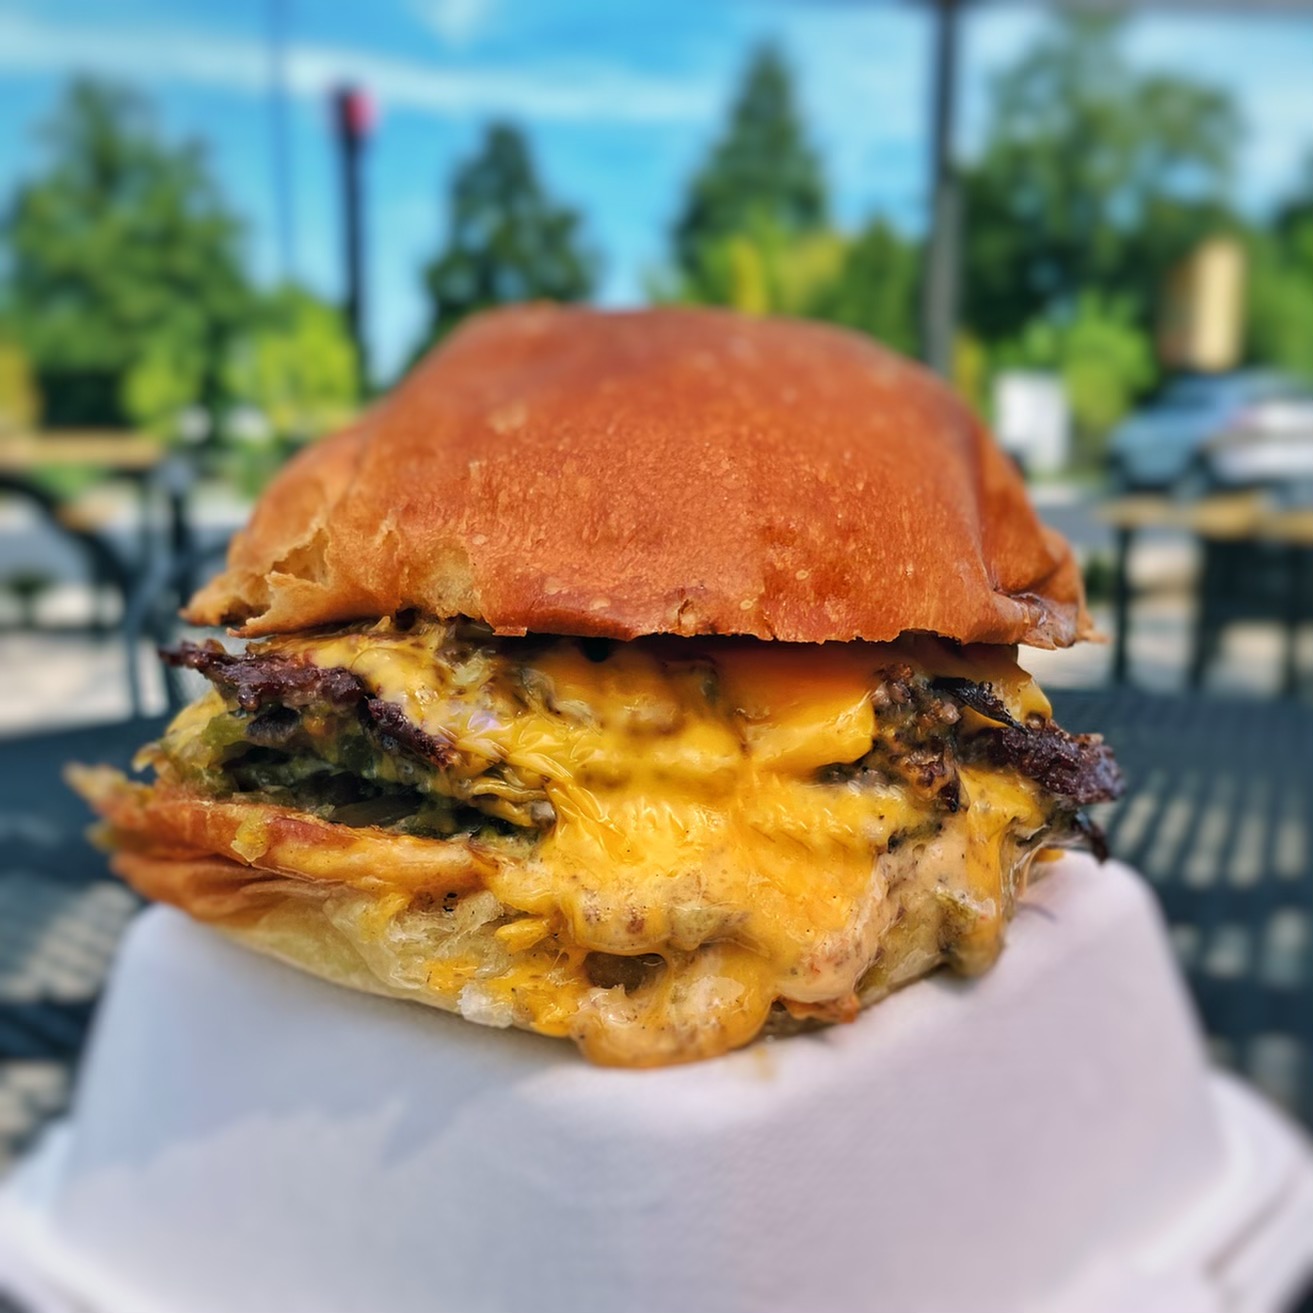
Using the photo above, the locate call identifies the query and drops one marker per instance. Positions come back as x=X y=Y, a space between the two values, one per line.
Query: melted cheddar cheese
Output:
x=697 y=833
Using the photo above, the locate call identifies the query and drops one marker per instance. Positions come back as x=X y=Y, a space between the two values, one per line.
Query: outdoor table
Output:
x=110 y=450
x=1218 y=816
x=1234 y=532
x=142 y=461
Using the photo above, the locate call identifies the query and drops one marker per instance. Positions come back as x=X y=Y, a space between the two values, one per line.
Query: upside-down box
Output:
x=1048 y=1137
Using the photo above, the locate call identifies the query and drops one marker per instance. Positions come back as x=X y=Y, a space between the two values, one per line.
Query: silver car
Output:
x=1246 y=428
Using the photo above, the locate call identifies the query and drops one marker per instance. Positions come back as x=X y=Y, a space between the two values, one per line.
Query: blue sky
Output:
x=621 y=97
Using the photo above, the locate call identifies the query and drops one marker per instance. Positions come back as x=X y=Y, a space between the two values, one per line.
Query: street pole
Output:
x=940 y=290
x=353 y=115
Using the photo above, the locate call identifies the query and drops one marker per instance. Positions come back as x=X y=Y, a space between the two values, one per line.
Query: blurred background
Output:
x=225 y=227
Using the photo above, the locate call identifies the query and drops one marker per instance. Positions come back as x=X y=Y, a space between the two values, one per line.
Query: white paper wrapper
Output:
x=1046 y=1137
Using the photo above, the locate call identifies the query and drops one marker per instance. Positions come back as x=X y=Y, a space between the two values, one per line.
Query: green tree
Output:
x=166 y=378
x=1093 y=174
x=122 y=243
x=754 y=234
x=1280 y=296
x=1298 y=207
x=292 y=376
x=20 y=402
x=296 y=365
x=508 y=240
x=1101 y=354
x=876 y=288
x=762 y=176
x=760 y=269
x=1280 y=285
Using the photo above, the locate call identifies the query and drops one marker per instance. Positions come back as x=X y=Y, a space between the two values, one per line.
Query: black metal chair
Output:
x=154 y=583
x=152 y=613
x=106 y=564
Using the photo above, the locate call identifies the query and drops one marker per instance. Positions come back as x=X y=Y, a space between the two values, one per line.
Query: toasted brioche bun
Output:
x=665 y=471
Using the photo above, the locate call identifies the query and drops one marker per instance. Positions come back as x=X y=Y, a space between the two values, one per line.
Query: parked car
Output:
x=1217 y=430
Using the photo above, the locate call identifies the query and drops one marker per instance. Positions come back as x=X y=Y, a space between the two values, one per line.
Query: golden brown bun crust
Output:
x=664 y=471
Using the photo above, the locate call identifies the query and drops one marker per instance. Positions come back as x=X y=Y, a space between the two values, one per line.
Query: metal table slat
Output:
x=1254 y=760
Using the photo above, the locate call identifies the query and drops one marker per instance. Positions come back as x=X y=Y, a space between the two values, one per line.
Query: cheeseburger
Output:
x=646 y=679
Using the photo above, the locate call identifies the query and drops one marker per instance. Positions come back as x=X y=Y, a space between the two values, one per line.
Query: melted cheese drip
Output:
x=696 y=828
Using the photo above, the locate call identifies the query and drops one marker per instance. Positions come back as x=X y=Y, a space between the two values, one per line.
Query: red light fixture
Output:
x=356 y=113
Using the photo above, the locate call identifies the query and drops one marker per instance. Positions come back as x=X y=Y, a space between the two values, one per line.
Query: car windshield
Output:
x=1233 y=390
x=1280 y=389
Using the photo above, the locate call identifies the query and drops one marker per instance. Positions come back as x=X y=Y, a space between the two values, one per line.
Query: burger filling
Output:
x=654 y=847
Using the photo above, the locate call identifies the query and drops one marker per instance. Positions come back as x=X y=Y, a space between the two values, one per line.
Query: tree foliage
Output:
x=1297 y=210
x=754 y=234
x=508 y=239
x=1280 y=287
x=120 y=251
x=296 y=365
x=877 y=288
x=1101 y=354
x=1280 y=300
x=762 y=178
x=762 y=269
x=20 y=402
x=163 y=381
x=1093 y=175
x=867 y=281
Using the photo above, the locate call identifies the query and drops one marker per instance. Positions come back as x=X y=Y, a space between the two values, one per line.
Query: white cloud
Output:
x=582 y=94
x=28 y=45
x=579 y=92
x=456 y=22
